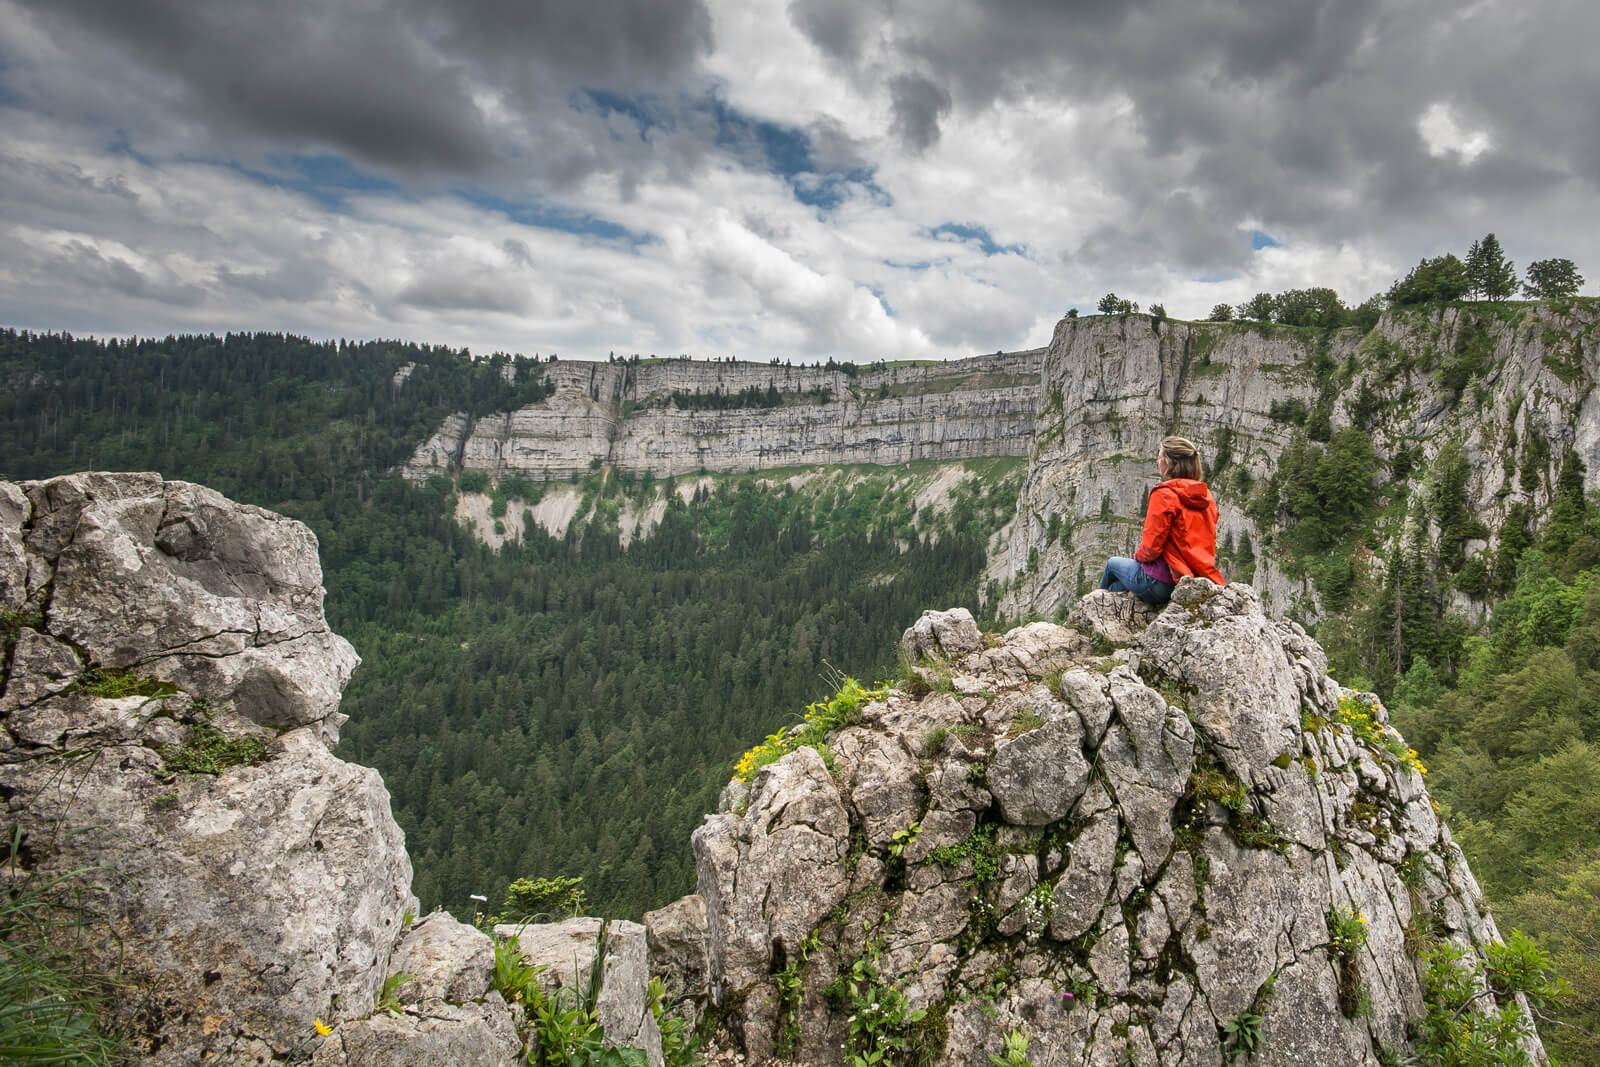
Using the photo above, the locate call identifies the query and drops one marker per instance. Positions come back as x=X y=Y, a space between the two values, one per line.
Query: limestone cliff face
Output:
x=1118 y=855
x=623 y=414
x=1510 y=385
x=1113 y=386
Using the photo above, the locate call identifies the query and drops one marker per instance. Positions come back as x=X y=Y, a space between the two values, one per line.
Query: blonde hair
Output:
x=1183 y=458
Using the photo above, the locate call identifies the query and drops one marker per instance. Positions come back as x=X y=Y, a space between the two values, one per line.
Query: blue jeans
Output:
x=1124 y=575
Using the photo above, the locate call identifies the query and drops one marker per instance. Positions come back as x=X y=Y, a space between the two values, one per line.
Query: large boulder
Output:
x=171 y=694
x=788 y=846
x=1118 y=855
x=173 y=581
x=462 y=1036
x=942 y=635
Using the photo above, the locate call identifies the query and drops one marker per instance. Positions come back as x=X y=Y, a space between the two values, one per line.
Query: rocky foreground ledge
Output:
x=1159 y=838
x=1193 y=846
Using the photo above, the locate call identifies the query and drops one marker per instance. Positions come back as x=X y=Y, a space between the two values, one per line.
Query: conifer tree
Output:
x=1491 y=275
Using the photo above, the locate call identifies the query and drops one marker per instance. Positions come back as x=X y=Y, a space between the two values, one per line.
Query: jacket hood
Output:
x=1196 y=496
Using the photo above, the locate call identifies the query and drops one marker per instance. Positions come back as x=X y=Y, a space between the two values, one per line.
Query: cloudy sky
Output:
x=862 y=179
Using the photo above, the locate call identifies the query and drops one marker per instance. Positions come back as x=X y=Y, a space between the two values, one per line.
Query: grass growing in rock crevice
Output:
x=208 y=751
x=48 y=998
x=110 y=684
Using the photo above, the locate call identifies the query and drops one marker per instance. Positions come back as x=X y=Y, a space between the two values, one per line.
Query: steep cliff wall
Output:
x=1508 y=387
x=624 y=415
x=1511 y=386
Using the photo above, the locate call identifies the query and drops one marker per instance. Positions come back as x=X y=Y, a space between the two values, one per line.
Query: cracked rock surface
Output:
x=168 y=697
x=1115 y=854
x=174 y=581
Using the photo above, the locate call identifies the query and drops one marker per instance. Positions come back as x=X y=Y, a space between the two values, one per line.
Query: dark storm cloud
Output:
x=618 y=43
x=919 y=104
x=391 y=83
x=79 y=264
x=355 y=80
x=839 y=27
x=1301 y=114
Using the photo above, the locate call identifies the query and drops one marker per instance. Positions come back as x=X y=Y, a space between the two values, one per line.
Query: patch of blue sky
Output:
x=783 y=150
x=646 y=112
x=550 y=217
x=768 y=147
x=1260 y=239
x=121 y=146
x=916 y=265
x=827 y=191
x=968 y=233
x=883 y=299
x=327 y=179
x=787 y=152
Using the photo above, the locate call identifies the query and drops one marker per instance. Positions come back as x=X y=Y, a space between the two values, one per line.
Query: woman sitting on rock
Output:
x=1180 y=531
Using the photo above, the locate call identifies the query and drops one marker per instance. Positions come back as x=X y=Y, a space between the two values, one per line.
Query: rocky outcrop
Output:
x=443 y=1008
x=170 y=695
x=171 y=580
x=1126 y=856
x=628 y=415
x=676 y=937
x=570 y=951
x=1512 y=387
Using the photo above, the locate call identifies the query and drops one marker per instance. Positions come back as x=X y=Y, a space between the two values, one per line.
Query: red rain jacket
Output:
x=1180 y=527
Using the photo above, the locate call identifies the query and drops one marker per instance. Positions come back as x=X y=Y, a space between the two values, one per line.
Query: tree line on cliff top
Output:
x=1485 y=274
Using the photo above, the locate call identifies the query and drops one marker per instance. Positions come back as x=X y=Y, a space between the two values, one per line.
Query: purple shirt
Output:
x=1159 y=571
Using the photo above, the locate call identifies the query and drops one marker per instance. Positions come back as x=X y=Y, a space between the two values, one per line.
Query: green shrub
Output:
x=1015 y=1051
x=1360 y=716
x=208 y=751
x=1465 y=1025
x=561 y=1029
x=880 y=1017
x=678 y=1048
x=542 y=900
x=821 y=718
x=109 y=684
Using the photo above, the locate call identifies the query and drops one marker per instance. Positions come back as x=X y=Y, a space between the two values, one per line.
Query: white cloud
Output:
x=1444 y=134
x=124 y=211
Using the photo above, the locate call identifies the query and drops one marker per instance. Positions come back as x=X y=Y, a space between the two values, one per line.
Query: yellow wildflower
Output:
x=322 y=1028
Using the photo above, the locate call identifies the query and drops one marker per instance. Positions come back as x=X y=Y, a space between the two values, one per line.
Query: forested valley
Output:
x=561 y=707
x=570 y=706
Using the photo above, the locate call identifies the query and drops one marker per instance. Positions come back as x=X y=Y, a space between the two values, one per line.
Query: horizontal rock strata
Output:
x=625 y=415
